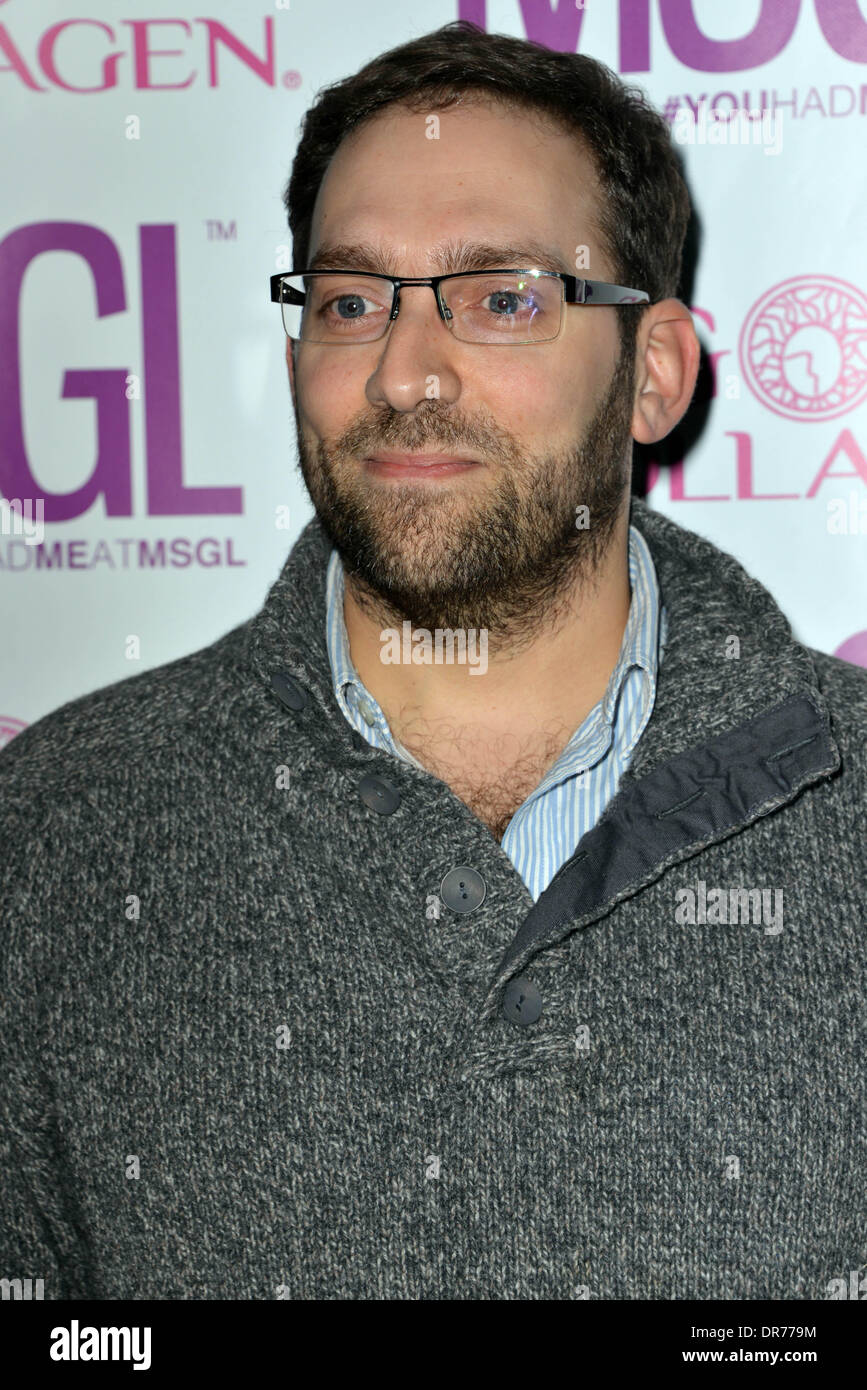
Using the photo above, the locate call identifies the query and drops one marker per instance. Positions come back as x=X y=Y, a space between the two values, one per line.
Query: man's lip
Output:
x=418 y=460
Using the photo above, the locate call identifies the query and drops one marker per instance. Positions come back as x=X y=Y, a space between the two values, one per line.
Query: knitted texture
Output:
x=248 y=1049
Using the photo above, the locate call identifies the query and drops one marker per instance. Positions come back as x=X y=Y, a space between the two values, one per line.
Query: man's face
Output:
x=495 y=545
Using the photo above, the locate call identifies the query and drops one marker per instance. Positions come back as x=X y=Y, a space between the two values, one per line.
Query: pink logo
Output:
x=109 y=58
x=9 y=727
x=854 y=649
x=803 y=348
x=842 y=25
x=111 y=475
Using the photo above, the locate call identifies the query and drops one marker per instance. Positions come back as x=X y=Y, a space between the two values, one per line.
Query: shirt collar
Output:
x=343 y=671
x=641 y=637
x=640 y=645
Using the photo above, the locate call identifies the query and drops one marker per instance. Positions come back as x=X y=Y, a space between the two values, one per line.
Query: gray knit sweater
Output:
x=280 y=1019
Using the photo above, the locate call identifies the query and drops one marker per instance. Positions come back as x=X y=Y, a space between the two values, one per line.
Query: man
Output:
x=337 y=970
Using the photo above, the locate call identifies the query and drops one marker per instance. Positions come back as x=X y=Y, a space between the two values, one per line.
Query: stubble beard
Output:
x=508 y=557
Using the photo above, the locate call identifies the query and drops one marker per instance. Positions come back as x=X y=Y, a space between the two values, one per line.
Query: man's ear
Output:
x=290 y=363
x=666 y=367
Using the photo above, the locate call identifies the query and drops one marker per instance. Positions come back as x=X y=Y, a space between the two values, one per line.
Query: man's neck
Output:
x=552 y=682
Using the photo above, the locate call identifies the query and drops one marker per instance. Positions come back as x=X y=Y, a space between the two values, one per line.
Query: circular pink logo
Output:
x=803 y=348
x=9 y=727
x=854 y=649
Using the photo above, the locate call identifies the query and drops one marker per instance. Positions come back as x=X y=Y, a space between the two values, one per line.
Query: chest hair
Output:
x=493 y=774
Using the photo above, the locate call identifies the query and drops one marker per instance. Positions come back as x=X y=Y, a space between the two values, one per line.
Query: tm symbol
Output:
x=221 y=231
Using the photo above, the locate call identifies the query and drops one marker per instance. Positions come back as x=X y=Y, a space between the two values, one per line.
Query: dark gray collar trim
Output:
x=696 y=798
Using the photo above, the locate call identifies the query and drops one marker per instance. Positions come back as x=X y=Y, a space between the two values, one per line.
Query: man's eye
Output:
x=507 y=302
x=351 y=306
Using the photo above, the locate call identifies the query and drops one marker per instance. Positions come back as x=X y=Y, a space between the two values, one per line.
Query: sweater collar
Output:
x=730 y=654
x=729 y=651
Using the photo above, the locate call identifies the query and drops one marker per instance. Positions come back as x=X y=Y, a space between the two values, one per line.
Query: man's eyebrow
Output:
x=451 y=257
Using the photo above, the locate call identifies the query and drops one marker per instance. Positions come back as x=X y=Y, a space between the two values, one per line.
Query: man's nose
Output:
x=418 y=358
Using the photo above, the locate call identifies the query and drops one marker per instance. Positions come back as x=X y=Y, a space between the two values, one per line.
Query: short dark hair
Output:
x=646 y=207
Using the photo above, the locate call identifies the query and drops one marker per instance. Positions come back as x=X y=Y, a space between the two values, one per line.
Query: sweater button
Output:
x=522 y=1002
x=289 y=691
x=463 y=889
x=378 y=794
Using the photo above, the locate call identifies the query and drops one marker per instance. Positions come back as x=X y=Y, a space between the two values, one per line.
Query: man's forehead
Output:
x=447 y=256
x=522 y=211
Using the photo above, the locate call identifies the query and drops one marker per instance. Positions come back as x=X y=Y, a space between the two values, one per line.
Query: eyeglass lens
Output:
x=491 y=307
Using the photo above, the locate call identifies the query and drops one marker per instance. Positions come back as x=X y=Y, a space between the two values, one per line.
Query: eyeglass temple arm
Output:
x=596 y=292
x=282 y=293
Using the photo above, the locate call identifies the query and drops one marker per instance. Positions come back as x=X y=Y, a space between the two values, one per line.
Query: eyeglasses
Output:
x=508 y=308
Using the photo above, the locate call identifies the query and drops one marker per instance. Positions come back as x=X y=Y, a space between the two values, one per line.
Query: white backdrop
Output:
x=140 y=220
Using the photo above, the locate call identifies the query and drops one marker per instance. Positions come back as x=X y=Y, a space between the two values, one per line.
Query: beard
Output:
x=506 y=556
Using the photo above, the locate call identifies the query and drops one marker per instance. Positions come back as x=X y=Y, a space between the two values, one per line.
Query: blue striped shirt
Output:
x=572 y=795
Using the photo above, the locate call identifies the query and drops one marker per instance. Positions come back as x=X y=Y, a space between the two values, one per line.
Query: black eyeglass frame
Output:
x=576 y=291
